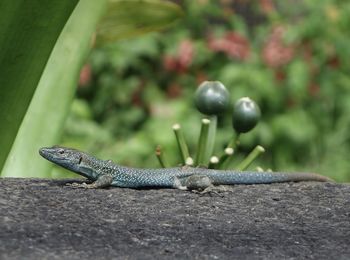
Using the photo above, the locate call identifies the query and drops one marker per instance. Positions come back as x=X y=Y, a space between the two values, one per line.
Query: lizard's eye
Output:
x=61 y=151
x=80 y=159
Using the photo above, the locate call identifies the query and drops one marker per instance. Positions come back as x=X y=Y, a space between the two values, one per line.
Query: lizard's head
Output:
x=68 y=158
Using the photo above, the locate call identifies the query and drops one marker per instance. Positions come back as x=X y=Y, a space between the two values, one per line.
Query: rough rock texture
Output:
x=44 y=219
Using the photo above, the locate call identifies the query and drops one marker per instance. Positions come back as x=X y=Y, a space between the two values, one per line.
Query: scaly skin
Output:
x=106 y=173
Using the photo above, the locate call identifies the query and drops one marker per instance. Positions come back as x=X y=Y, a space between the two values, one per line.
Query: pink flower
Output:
x=233 y=44
x=185 y=54
x=275 y=53
x=182 y=60
x=267 y=6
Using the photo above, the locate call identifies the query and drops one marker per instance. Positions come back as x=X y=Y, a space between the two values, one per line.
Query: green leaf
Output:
x=49 y=107
x=47 y=112
x=126 y=18
x=28 y=32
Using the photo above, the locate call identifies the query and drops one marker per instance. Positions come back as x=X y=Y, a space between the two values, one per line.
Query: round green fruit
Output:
x=212 y=98
x=246 y=115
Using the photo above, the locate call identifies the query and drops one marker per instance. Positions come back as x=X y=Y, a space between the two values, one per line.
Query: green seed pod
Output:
x=246 y=115
x=212 y=98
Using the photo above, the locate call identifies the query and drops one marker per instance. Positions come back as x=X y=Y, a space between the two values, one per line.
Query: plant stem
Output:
x=202 y=143
x=189 y=161
x=160 y=156
x=259 y=169
x=213 y=162
x=181 y=143
x=250 y=158
x=211 y=136
x=225 y=158
x=234 y=142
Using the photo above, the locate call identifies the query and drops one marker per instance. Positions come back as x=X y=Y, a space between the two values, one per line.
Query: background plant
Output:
x=23 y=55
x=39 y=75
x=290 y=57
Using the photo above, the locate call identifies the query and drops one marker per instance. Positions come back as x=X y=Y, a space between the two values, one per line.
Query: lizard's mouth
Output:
x=45 y=152
x=53 y=154
x=64 y=157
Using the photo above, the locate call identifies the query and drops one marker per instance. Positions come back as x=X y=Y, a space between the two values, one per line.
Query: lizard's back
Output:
x=165 y=177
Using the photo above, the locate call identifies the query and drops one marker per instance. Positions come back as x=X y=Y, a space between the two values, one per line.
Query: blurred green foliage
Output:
x=291 y=57
x=44 y=117
x=28 y=32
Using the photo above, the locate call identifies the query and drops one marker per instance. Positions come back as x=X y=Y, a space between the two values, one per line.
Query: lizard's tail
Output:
x=236 y=177
x=303 y=176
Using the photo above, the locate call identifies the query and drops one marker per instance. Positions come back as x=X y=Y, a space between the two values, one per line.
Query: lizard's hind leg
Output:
x=198 y=182
x=202 y=184
x=193 y=182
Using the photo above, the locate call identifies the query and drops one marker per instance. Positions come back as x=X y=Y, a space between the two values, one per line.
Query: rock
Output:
x=44 y=219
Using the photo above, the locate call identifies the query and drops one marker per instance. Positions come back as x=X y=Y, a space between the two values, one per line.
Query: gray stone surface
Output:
x=44 y=219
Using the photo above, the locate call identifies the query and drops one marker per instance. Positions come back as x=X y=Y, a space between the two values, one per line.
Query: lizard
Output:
x=105 y=173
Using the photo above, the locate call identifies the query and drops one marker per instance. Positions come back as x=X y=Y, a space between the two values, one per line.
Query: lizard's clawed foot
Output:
x=81 y=185
x=217 y=190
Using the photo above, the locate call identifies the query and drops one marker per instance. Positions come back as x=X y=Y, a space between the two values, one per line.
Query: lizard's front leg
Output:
x=102 y=181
